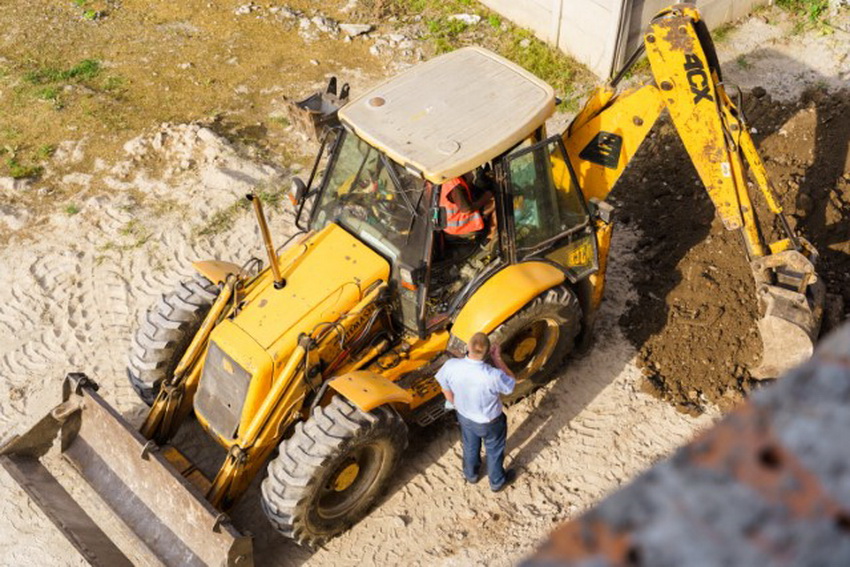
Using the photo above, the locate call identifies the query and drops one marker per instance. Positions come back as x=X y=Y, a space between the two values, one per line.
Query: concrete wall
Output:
x=602 y=33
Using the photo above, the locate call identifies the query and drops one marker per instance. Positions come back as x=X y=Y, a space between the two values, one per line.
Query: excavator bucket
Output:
x=167 y=515
x=793 y=310
x=317 y=113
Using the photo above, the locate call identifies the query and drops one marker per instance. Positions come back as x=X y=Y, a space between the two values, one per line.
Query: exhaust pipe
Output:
x=279 y=282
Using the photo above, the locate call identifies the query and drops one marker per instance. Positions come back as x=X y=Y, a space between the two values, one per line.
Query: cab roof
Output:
x=452 y=113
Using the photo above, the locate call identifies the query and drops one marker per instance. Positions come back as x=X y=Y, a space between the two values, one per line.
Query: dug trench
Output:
x=694 y=319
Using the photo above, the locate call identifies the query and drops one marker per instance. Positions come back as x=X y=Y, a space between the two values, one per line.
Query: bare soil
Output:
x=694 y=320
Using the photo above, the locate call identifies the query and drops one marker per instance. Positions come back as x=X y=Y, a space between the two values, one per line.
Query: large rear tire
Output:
x=164 y=334
x=329 y=474
x=536 y=341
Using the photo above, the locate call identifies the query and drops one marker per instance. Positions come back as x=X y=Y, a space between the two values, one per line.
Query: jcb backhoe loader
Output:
x=312 y=368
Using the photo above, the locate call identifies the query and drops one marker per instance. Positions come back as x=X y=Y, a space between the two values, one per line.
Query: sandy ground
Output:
x=70 y=297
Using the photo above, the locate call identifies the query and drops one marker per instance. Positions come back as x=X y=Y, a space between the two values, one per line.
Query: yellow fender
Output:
x=368 y=390
x=215 y=270
x=503 y=295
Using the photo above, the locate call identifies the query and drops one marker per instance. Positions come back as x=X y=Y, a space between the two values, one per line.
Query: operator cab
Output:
x=468 y=113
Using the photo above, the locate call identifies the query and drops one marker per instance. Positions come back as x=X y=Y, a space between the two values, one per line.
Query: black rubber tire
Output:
x=165 y=331
x=297 y=488
x=557 y=309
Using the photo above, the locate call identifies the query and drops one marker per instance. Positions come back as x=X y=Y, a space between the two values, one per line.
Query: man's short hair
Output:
x=479 y=344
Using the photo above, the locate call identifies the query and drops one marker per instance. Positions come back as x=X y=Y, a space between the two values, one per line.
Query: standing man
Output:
x=474 y=387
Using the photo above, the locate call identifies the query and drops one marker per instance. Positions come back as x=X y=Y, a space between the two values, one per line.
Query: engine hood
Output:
x=325 y=277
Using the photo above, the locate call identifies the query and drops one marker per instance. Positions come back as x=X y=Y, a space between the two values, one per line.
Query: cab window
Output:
x=546 y=203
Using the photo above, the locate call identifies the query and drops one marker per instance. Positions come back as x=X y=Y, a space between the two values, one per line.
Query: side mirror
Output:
x=298 y=191
x=438 y=218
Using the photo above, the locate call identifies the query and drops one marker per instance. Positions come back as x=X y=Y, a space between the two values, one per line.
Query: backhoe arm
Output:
x=607 y=133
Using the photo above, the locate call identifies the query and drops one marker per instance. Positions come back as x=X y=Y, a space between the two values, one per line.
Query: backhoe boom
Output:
x=607 y=133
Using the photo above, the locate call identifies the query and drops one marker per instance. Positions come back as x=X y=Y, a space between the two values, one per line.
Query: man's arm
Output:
x=443 y=380
x=450 y=396
x=458 y=197
x=496 y=356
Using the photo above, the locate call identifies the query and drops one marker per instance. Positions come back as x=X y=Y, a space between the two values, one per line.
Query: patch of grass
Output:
x=280 y=120
x=494 y=21
x=272 y=197
x=807 y=13
x=641 y=67
x=80 y=3
x=721 y=32
x=72 y=209
x=113 y=83
x=445 y=32
x=223 y=219
x=91 y=15
x=45 y=151
x=743 y=63
x=18 y=170
x=548 y=63
x=48 y=93
x=136 y=233
x=85 y=70
x=813 y=10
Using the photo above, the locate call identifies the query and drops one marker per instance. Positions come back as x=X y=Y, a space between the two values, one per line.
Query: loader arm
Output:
x=607 y=133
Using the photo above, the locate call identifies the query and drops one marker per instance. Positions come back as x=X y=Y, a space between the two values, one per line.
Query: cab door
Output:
x=545 y=212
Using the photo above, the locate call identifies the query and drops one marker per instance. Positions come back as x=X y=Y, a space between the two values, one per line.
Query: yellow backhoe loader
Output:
x=311 y=369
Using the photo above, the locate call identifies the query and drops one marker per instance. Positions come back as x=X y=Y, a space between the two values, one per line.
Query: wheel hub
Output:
x=524 y=349
x=346 y=477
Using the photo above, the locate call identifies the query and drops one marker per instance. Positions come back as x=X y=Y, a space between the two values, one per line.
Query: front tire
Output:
x=164 y=334
x=329 y=474
x=536 y=341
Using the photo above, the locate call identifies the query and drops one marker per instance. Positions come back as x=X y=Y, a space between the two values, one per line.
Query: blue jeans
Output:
x=494 y=435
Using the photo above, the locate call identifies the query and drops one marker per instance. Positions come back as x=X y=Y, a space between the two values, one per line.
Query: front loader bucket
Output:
x=165 y=512
x=788 y=329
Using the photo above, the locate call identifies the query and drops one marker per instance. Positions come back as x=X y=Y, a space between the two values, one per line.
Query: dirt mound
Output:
x=694 y=321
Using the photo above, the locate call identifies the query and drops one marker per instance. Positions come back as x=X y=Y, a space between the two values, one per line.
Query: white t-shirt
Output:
x=476 y=386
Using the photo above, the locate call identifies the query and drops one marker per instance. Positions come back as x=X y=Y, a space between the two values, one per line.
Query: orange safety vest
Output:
x=459 y=222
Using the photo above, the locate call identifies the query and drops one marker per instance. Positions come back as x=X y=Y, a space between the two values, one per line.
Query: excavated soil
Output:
x=694 y=321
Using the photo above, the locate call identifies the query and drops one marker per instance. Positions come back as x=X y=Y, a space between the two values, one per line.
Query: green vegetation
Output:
x=91 y=15
x=72 y=209
x=280 y=120
x=85 y=70
x=813 y=10
x=223 y=219
x=136 y=233
x=22 y=171
x=743 y=63
x=45 y=151
x=48 y=93
x=113 y=83
x=721 y=32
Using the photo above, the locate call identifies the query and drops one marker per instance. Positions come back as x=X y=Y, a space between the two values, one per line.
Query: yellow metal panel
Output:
x=598 y=99
x=255 y=360
x=215 y=270
x=368 y=390
x=603 y=242
x=325 y=277
x=688 y=87
x=503 y=295
x=629 y=116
